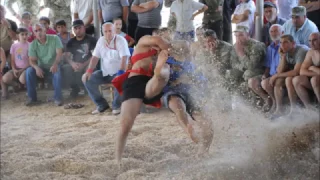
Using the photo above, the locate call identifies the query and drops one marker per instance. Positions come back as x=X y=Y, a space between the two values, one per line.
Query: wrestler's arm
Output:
x=152 y=41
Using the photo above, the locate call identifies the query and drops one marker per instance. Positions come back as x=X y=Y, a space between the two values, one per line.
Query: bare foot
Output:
x=191 y=133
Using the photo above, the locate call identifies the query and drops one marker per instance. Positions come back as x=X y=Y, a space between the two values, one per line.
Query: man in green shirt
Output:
x=212 y=18
x=44 y=55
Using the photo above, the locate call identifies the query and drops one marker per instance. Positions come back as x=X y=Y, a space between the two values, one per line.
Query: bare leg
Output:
x=6 y=79
x=179 y=109
x=315 y=82
x=301 y=84
x=291 y=93
x=254 y=84
x=270 y=90
x=158 y=82
x=207 y=133
x=278 y=92
x=129 y=111
x=22 y=77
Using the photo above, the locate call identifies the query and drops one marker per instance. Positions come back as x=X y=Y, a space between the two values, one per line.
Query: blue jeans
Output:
x=188 y=36
x=31 y=80
x=92 y=86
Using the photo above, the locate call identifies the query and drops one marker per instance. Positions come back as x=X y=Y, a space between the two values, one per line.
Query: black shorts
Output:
x=135 y=87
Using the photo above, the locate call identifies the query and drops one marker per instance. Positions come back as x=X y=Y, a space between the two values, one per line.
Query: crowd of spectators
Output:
x=285 y=62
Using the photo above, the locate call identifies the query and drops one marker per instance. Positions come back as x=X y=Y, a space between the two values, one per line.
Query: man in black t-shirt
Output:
x=78 y=53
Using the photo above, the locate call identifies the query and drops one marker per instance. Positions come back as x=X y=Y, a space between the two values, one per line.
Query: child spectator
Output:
x=19 y=62
x=26 y=23
x=63 y=34
x=118 y=25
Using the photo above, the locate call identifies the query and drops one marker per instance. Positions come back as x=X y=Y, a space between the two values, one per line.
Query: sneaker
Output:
x=116 y=111
x=58 y=102
x=97 y=111
x=32 y=103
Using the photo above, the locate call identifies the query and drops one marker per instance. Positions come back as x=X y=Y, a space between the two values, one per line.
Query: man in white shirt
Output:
x=113 y=51
x=244 y=15
x=184 y=12
x=83 y=10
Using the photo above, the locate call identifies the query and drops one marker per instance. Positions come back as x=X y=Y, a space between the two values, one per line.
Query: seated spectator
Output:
x=309 y=73
x=270 y=13
x=19 y=62
x=244 y=15
x=285 y=8
x=8 y=31
x=111 y=9
x=118 y=25
x=3 y=60
x=83 y=10
x=248 y=58
x=313 y=10
x=291 y=58
x=78 y=53
x=149 y=16
x=63 y=33
x=199 y=44
x=113 y=51
x=220 y=52
x=300 y=27
x=45 y=53
x=260 y=85
x=185 y=16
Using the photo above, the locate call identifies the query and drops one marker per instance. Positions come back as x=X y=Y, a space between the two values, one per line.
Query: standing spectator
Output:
x=26 y=23
x=291 y=58
x=244 y=15
x=309 y=73
x=185 y=11
x=8 y=31
x=149 y=17
x=78 y=54
x=118 y=25
x=111 y=9
x=313 y=10
x=132 y=21
x=24 y=6
x=83 y=10
x=260 y=85
x=212 y=19
x=300 y=27
x=63 y=33
x=113 y=51
x=270 y=13
x=45 y=53
x=228 y=8
x=45 y=21
x=285 y=7
x=19 y=62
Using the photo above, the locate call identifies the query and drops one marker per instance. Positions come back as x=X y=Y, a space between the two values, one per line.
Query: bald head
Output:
x=108 y=31
x=314 y=40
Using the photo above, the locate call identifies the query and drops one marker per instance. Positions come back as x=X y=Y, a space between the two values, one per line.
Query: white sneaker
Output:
x=116 y=111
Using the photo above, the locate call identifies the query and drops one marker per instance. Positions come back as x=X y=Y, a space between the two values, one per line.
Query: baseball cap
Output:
x=299 y=11
x=77 y=22
x=269 y=4
x=242 y=29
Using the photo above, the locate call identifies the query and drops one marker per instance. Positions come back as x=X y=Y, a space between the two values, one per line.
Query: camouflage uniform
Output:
x=60 y=9
x=31 y=6
x=251 y=64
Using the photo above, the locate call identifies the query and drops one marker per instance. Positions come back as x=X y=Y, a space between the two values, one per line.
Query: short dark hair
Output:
x=210 y=33
x=61 y=22
x=288 y=37
x=43 y=18
x=21 y=30
x=116 y=19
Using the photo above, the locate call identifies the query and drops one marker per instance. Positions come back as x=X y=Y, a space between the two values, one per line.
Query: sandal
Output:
x=73 y=106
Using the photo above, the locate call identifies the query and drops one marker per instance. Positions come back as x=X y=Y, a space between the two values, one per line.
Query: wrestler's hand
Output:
x=86 y=76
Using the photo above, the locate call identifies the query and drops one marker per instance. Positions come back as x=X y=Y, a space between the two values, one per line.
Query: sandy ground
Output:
x=48 y=142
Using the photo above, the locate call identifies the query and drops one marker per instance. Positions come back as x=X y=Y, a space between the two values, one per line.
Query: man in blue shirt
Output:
x=259 y=84
x=300 y=27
